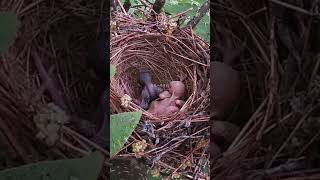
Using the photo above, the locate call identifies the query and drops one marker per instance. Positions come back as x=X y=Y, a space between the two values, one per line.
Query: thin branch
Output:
x=180 y=14
x=201 y=12
x=122 y=8
x=289 y=6
x=55 y=93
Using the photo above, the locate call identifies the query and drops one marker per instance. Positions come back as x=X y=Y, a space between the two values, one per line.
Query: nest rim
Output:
x=120 y=60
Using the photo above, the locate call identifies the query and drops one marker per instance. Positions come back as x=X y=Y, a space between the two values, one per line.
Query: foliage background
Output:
x=176 y=6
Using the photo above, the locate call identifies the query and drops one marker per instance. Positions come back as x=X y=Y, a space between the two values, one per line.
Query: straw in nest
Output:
x=180 y=56
x=170 y=54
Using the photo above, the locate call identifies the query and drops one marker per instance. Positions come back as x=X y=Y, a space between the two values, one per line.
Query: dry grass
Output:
x=47 y=64
x=280 y=68
x=181 y=55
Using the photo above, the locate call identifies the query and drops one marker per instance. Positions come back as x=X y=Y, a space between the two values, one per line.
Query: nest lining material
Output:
x=180 y=56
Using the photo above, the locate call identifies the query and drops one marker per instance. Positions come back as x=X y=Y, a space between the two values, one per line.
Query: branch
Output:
x=201 y=12
x=56 y=94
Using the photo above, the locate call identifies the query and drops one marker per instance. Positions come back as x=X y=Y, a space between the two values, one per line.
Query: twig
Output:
x=306 y=114
x=66 y=143
x=194 y=61
x=289 y=6
x=273 y=81
x=247 y=126
x=66 y=129
x=30 y=6
x=262 y=51
x=308 y=144
x=282 y=120
x=297 y=173
x=256 y=12
x=181 y=13
x=314 y=72
x=54 y=92
x=201 y=12
x=121 y=7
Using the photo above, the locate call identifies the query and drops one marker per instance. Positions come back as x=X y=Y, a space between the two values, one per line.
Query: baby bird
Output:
x=169 y=101
x=150 y=91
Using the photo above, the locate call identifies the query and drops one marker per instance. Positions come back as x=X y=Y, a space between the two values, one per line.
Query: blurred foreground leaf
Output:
x=122 y=125
x=86 y=168
x=9 y=24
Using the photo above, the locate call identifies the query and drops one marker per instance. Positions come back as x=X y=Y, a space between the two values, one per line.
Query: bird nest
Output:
x=279 y=101
x=35 y=73
x=170 y=53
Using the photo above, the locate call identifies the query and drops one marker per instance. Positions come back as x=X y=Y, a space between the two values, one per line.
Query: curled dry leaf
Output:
x=139 y=146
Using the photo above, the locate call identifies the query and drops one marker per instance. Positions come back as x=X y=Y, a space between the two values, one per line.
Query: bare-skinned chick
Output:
x=169 y=102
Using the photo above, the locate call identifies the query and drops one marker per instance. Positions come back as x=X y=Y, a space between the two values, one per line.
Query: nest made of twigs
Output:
x=169 y=55
x=36 y=71
x=180 y=56
x=278 y=135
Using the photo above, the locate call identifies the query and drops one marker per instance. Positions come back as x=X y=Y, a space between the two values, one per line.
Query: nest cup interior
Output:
x=164 y=59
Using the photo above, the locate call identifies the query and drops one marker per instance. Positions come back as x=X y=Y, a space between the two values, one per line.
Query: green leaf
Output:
x=9 y=24
x=86 y=168
x=177 y=6
x=112 y=71
x=122 y=125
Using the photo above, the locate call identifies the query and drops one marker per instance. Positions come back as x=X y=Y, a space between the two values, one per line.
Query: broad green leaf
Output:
x=9 y=24
x=122 y=125
x=112 y=71
x=86 y=168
